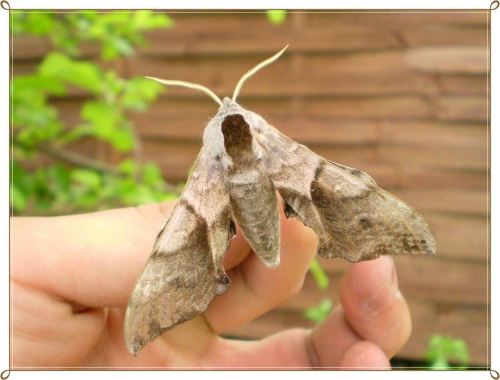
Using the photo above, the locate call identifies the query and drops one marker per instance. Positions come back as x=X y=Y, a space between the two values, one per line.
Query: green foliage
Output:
x=319 y=274
x=71 y=182
x=117 y=32
x=276 y=16
x=318 y=313
x=442 y=349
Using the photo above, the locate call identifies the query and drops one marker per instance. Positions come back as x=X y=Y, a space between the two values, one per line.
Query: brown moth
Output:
x=242 y=163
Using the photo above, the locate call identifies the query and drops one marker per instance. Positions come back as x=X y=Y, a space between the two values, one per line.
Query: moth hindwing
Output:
x=243 y=164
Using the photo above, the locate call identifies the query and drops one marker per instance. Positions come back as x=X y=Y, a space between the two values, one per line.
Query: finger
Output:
x=290 y=349
x=367 y=283
x=364 y=355
x=255 y=288
x=332 y=338
x=285 y=350
x=374 y=306
x=93 y=259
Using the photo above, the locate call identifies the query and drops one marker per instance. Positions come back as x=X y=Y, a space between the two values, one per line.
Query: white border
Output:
x=218 y=4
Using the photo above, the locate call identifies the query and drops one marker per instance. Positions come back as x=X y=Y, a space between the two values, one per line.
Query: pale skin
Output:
x=72 y=277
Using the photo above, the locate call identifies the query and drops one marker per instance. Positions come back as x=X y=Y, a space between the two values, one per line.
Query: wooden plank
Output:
x=471 y=202
x=432 y=133
x=442 y=157
x=460 y=237
x=397 y=20
x=24 y=68
x=423 y=156
x=29 y=47
x=444 y=107
x=461 y=84
x=453 y=60
x=462 y=108
x=445 y=34
x=374 y=107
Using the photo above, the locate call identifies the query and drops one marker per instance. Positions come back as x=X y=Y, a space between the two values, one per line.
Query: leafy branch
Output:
x=75 y=182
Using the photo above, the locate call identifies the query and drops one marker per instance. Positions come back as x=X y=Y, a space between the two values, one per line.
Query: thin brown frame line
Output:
x=19 y=10
x=487 y=11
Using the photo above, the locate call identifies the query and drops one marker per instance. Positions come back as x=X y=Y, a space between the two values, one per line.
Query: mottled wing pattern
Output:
x=352 y=217
x=185 y=271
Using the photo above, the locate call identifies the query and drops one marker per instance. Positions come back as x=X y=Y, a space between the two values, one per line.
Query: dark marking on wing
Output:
x=289 y=212
x=232 y=227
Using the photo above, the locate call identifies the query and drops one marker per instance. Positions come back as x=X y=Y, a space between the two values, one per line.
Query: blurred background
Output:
x=402 y=96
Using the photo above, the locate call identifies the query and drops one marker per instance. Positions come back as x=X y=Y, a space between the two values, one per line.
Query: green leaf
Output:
x=318 y=313
x=113 y=47
x=440 y=364
x=139 y=92
x=19 y=199
x=61 y=177
x=151 y=174
x=88 y=200
x=33 y=22
x=21 y=178
x=460 y=350
x=128 y=167
x=276 y=16
x=86 y=177
x=319 y=274
x=122 y=140
x=75 y=134
x=103 y=116
x=442 y=350
x=146 y=20
x=82 y=74
x=35 y=82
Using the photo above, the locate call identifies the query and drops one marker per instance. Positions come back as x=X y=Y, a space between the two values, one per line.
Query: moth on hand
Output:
x=242 y=165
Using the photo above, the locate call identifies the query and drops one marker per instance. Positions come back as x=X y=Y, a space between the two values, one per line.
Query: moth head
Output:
x=229 y=112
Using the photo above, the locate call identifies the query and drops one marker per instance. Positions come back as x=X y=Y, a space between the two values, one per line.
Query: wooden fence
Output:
x=402 y=96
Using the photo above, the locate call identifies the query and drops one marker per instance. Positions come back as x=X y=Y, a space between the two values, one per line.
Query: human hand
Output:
x=72 y=277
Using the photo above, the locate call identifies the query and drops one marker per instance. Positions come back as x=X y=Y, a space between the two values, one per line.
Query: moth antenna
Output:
x=254 y=70
x=189 y=85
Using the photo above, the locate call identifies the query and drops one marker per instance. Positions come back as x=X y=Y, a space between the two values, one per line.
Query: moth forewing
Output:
x=353 y=218
x=244 y=160
x=185 y=271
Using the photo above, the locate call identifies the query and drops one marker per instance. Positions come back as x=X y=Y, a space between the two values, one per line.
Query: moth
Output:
x=243 y=164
